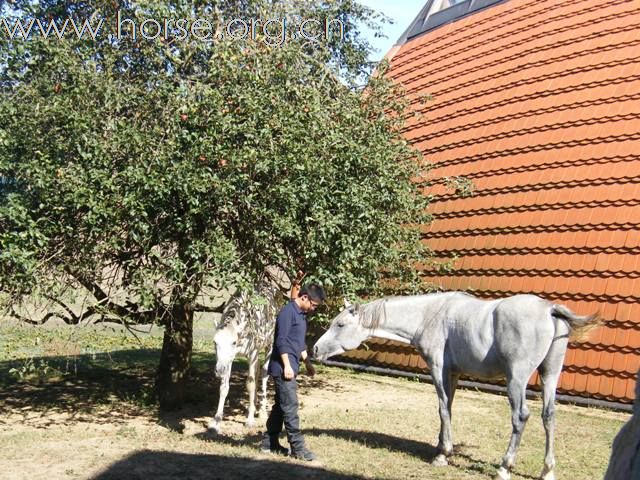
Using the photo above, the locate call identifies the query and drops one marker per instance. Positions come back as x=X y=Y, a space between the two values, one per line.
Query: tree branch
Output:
x=204 y=308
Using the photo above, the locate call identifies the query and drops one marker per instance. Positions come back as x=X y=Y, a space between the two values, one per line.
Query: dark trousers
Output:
x=285 y=412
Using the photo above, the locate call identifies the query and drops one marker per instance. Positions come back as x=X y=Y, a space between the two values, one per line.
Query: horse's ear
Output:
x=346 y=303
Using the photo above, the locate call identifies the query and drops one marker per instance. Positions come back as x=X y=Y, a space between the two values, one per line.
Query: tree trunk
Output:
x=175 y=360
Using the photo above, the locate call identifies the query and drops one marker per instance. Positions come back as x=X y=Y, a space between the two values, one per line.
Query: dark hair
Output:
x=314 y=291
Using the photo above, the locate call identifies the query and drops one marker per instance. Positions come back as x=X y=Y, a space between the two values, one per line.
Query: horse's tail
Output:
x=581 y=327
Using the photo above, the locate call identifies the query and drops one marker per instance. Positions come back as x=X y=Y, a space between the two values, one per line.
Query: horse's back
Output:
x=469 y=335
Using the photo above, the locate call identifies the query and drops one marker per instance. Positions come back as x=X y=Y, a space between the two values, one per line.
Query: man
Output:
x=289 y=348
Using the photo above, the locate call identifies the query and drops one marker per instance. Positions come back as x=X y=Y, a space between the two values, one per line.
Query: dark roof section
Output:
x=425 y=22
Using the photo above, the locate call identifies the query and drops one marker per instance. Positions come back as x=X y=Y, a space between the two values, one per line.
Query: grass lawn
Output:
x=77 y=403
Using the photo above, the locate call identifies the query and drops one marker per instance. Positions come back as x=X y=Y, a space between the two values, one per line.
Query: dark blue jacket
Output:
x=289 y=338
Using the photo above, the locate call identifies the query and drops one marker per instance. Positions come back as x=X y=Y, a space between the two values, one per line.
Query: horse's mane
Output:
x=372 y=313
x=234 y=304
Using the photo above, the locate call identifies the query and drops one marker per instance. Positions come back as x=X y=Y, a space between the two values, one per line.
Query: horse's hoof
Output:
x=213 y=427
x=502 y=474
x=548 y=475
x=440 y=461
x=250 y=423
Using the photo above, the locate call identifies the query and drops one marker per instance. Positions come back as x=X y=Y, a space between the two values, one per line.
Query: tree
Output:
x=146 y=171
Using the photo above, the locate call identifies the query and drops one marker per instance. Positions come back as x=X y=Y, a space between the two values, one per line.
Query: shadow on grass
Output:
x=122 y=381
x=77 y=384
x=421 y=450
x=147 y=464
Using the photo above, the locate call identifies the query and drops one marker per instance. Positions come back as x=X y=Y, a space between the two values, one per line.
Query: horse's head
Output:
x=227 y=338
x=345 y=333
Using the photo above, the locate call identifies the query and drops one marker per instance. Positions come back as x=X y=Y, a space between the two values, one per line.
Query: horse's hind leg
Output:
x=516 y=387
x=262 y=410
x=251 y=388
x=549 y=382
x=550 y=370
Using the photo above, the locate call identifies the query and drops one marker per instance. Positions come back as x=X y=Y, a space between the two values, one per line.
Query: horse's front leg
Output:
x=442 y=382
x=251 y=388
x=216 y=423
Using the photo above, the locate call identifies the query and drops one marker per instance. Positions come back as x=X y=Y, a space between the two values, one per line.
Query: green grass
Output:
x=86 y=407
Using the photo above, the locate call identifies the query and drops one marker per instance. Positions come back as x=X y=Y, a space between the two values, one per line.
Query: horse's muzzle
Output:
x=319 y=354
x=221 y=370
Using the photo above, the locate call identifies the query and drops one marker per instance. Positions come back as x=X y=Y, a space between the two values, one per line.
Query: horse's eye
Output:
x=340 y=325
x=234 y=343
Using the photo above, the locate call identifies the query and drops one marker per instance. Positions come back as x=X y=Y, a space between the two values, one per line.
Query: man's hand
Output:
x=288 y=372
x=311 y=371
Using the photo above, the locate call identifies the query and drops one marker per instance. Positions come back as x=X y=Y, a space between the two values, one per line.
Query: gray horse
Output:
x=246 y=328
x=456 y=334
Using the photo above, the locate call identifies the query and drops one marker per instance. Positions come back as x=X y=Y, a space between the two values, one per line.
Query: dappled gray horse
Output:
x=456 y=334
x=246 y=328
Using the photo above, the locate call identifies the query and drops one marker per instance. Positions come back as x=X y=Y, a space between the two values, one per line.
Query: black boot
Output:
x=303 y=454
x=270 y=444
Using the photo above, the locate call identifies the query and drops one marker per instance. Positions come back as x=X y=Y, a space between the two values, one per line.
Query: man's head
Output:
x=310 y=297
